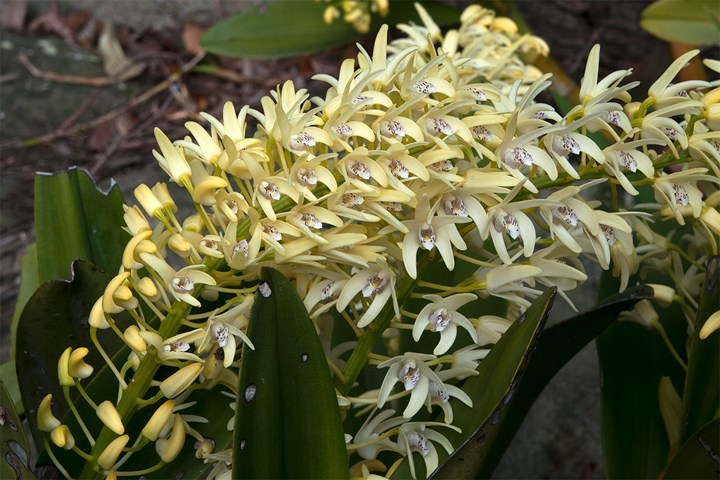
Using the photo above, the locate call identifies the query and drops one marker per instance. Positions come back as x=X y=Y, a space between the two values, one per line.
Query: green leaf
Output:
x=287 y=421
x=14 y=447
x=56 y=318
x=556 y=346
x=73 y=220
x=29 y=282
x=491 y=391
x=698 y=457
x=695 y=23
x=632 y=359
x=286 y=28
x=701 y=399
x=8 y=376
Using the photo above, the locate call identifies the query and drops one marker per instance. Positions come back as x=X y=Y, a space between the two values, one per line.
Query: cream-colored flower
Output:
x=411 y=371
x=181 y=283
x=378 y=281
x=441 y=315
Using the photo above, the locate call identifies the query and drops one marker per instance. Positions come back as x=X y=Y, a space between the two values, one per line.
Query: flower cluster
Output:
x=355 y=12
x=431 y=152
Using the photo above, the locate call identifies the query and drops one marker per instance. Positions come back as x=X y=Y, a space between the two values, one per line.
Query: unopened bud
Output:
x=169 y=448
x=158 y=420
x=112 y=452
x=77 y=366
x=109 y=415
x=176 y=383
x=45 y=418
x=63 y=369
x=62 y=437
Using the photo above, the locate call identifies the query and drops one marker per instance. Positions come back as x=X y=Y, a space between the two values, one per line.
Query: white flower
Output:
x=181 y=283
x=428 y=231
x=416 y=437
x=411 y=371
x=378 y=281
x=441 y=316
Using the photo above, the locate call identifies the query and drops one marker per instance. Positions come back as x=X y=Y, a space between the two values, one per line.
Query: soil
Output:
x=47 y=125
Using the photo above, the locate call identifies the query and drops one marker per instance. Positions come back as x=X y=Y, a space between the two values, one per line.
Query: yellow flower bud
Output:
x=130 y=257
x=97 y=316
x=631 y=109
x=62 y=437
x=109 y=415
x=132 y=338
x=108 y=304
x=112 y=452
x=77 y=366
x=662 y=294
x=204 y=192
x=161 y=192
x=169 y=448
x=331 y=13
x=135 y=220
x=711 y=324
x=45 y=418
x=123 y=297
x=176 y=383
x=111 y=475
x=193 y=223
x=158 y=420
x=713 y=116
x=147 y=199
x=147 y=288
x=63 y=369
x=178 y=244
x=504 y=24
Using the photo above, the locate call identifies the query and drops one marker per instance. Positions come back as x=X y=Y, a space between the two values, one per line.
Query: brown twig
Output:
x=61 y=78
x=143 y=97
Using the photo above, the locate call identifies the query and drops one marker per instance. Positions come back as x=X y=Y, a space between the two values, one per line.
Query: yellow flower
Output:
x=109 y=415
x=181 y=283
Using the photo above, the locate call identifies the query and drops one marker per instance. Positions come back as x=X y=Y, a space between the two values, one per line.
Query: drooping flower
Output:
x=441 y=315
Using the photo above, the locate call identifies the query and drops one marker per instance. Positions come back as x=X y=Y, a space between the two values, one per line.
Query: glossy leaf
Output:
x=695 y=23
x=491 y=392
x=698 y=457
x=14 y=447
x=73 y=220
x=286 y=28
x=633 y=359
x=701 y=399
x=287 y=421
x=556 y=347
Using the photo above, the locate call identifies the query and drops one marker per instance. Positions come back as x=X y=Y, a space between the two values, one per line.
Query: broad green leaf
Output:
x=56 y=318
x=286 y=28
x=287 y=421
x=698 y=457
x=491 y=391
x=633 y=359
x=556 y=346
x=73 y=220
x=701 y=399
x=14 y=448
x=695 y=23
